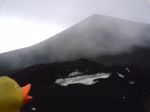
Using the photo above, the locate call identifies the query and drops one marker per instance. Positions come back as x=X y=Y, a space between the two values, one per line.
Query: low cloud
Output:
x=92 y=37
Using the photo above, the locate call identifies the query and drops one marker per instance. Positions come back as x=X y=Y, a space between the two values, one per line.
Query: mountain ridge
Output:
x=91 y=38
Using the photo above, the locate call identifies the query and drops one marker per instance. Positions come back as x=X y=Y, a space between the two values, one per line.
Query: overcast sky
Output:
x=27 y=22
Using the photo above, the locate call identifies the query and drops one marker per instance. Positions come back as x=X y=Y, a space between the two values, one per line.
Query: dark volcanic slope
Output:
x=138 y=57
x=93 y=37
x=126 y=90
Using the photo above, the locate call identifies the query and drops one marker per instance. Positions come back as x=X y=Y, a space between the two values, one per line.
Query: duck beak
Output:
x=25 y=91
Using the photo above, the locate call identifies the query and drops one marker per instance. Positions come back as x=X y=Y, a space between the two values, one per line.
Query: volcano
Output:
x=104 y=39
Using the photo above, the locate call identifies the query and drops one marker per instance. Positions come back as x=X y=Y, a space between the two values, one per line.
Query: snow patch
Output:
x=127 y=69
x=75 y=73
x=124 y=97
x=33 y=109
x=120 y=75
x=131 y=82
x=84 y=79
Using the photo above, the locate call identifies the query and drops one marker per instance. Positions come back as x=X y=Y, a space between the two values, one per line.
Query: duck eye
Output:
x=17 y=87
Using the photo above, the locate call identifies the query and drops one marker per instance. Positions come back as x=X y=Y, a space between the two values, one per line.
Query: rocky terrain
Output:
x=86 y=86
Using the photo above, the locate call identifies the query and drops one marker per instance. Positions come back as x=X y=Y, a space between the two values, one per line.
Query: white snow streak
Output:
x=84 y=79
x=131 y=82
x=120 y=75
x=75 y=73
x=127 y=69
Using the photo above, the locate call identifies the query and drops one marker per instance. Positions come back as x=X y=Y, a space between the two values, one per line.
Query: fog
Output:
x=27 y=22
x=95 y=36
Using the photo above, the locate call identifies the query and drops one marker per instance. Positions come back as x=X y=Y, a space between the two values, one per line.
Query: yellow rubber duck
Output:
x=12 y=96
